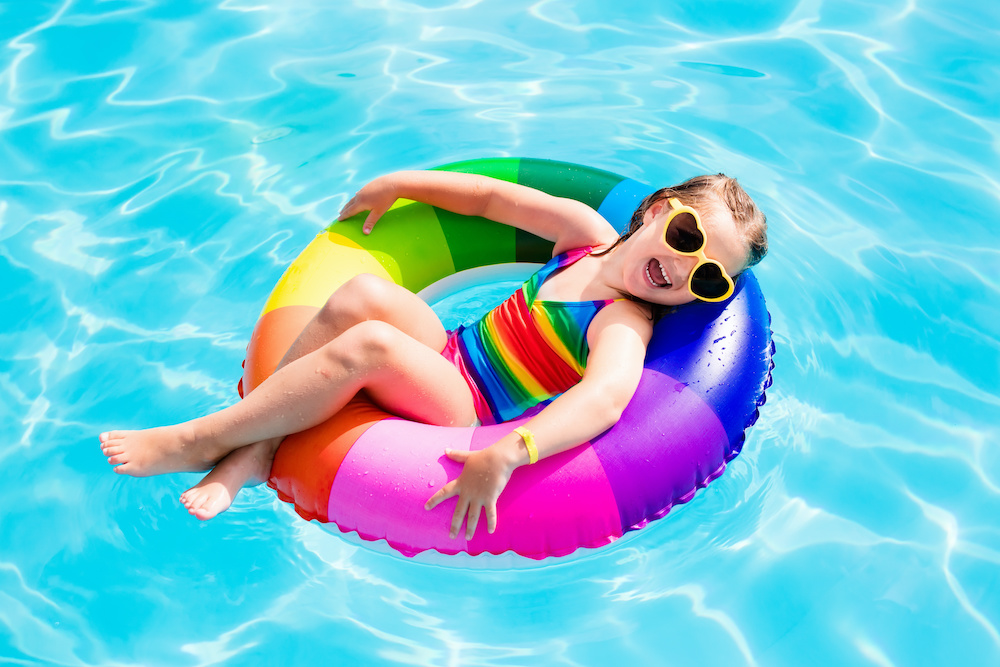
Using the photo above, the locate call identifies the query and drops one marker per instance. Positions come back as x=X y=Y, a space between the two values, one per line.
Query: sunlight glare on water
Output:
x=161 y=163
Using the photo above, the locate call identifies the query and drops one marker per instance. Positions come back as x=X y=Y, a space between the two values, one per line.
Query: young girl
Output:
x=684 y=243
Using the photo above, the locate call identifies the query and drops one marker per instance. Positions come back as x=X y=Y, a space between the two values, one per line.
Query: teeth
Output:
x=663 y=272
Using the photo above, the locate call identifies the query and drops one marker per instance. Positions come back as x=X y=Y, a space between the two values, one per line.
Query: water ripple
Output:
x=948 y=523
x=161 y=163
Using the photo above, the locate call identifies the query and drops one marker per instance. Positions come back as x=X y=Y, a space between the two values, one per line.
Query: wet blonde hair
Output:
x=703 y=193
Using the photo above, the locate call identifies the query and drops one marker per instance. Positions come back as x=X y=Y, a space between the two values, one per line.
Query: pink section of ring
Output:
x=392 y=470
x=386 y=478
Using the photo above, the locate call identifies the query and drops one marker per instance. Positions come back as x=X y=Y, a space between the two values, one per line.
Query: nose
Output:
x=684 y=264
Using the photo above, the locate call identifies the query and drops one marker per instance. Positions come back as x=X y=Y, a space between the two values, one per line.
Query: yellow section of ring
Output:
x=327 y=262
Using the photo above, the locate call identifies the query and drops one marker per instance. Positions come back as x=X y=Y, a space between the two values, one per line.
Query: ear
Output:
x=654 y=211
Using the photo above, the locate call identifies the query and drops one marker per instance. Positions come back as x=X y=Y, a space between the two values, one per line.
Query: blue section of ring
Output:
x=621 y=202
x=721 y=351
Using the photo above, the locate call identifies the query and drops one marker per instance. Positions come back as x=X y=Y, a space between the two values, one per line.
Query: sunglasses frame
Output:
x=676 y=208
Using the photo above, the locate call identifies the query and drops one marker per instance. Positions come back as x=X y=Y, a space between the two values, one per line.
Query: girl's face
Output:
x=654 y=272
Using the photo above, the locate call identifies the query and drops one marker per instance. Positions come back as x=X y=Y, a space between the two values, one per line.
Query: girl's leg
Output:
x=399 y=371
x=367 y=297
x=362 y=298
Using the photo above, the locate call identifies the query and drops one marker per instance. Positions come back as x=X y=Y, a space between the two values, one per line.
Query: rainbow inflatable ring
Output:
x=369 y=472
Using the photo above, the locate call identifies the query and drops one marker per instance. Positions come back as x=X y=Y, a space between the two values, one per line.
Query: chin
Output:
x=677 y=299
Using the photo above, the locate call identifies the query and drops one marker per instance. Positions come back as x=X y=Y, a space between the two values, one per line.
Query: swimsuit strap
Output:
x=560 y=261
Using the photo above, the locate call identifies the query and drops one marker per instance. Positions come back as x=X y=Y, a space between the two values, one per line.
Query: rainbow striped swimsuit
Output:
x=524 y=352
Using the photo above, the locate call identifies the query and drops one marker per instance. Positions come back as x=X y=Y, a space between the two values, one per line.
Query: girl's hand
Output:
x=483 y=478
x=376 y=197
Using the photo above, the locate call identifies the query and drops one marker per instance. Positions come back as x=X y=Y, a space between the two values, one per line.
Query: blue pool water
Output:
x=162 y=162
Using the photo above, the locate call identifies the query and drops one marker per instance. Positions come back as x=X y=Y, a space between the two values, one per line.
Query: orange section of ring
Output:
x=274 y=334
x=306 y=463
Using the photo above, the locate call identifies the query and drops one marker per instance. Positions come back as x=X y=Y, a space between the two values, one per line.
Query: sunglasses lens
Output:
x=709 y=282
x=683 y=234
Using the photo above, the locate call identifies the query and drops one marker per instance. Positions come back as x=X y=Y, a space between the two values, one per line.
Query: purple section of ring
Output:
x=667 y=444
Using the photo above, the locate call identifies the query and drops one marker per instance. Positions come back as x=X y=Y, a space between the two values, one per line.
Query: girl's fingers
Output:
x=370 y=221
x=459 y=455
x=349 y=209
x=473 y=521
x=456 y=519
x=445 y=492
x=468 y=508
x=491 y=517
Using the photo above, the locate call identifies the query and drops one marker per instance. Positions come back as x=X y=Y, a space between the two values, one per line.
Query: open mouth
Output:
x=657 y=275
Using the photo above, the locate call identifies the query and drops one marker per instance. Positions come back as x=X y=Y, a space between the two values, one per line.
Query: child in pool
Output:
x=684 y=243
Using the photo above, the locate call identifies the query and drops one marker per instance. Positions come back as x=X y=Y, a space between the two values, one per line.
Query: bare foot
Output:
x=155 y=451
x=215 y=493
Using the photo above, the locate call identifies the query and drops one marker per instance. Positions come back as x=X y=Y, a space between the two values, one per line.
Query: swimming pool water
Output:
x=162 y=162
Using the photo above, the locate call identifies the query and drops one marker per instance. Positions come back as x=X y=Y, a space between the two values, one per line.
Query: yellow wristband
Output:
x=529 y=443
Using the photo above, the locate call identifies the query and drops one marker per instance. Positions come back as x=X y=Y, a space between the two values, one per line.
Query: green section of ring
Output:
x=563 y=179
x=408 y=241
x=424 y=244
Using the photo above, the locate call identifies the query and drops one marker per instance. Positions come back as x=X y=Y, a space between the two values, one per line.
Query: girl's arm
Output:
x=617 y=338
x=567 y=222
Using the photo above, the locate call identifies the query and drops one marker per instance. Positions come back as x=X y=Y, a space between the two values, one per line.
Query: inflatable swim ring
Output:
x=370 y=472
